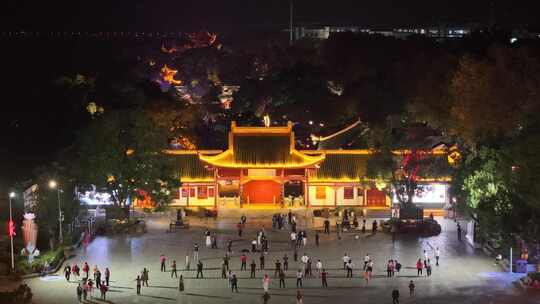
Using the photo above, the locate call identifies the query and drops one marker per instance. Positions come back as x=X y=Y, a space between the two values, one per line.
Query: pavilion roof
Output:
x=261 y=147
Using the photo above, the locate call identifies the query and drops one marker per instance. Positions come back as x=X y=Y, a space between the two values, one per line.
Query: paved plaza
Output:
x=464 y=276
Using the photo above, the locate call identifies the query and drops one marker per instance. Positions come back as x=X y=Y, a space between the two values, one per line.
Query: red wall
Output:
x=261 y=191
x=376 y=198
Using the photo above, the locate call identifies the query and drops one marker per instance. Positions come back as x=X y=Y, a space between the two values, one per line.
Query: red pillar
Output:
x=240 y=186
x=335 y=195
x=215 y=188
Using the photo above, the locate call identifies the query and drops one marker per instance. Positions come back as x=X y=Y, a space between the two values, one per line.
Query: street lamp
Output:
x=11 y=230
x=54 y=185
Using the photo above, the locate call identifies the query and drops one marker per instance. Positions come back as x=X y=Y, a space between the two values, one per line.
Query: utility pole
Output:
x=291 y=23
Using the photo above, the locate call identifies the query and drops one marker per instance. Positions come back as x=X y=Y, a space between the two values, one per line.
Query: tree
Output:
x=122 y=151
x=490 y=97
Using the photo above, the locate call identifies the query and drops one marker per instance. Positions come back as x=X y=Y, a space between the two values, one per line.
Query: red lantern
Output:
x=11 y=228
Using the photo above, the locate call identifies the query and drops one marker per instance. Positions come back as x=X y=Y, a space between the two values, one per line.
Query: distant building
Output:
x=439 y=32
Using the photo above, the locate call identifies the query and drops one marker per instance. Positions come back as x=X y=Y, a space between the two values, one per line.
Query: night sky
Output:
x=31 y=129
x=181 y=15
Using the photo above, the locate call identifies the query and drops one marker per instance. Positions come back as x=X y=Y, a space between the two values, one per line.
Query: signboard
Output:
x=30 y=197
x=93 y=197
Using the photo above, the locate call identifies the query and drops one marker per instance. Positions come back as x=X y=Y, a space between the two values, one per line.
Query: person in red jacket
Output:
x=419 y=266
x=86 y=269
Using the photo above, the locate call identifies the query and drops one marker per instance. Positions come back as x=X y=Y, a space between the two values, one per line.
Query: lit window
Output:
x=320 y=192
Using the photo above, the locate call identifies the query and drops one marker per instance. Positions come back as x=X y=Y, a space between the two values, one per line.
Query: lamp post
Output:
x=11 y=230
x=54 y=185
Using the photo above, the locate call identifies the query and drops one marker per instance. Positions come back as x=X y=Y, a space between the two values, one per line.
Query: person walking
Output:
x=229 y=247
x=318 y=265
x=144 y=277
x=261 y=260
x=163 y=259
x=459 y=232
x=324 y=276
x=366 y=260
x=299 y=297
x=181 y=285
x=266 y=282
x=199 y=269
x=299 y=276
x=326 y=226
x=214 y=241
x=293 y=239
x=395 y=296
x=138 y=280
x=428 y=268
x=107 y=275
x=265 y=297
x=103 y=289
x=369 y=268
x=304 y=238
x=208 y=239
x=239 y=228
x=223 y=270
x=345 y=260
x=295 y=255
x=363 y=226
x=94 y=271
x=437 y=255
x=79 y=292
x=90 y=285
x=278 y=268
x=389 y=269
x=252 y=266
x=411 y=288
x=75 y=270
x=85 y=291
x=285 y=262
x=86 y=269
x=304 y=259
x=67 y=272
x=309 y=271
x=234 y=283
x=317 y=238
x=282 y=279
x=254 y=245
x=350 y=266
x=173 y=271
x=243 y=260
x=98 y=279
x=419 y=266
x=195 y=251
x=226 y=261
x=398 y=266
x=374 y=227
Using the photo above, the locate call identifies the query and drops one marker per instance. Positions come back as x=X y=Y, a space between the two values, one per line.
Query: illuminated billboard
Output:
x=93 y=197
x=428 y=193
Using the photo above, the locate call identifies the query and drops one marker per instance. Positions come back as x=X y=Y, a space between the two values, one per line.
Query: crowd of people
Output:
x=251 y=250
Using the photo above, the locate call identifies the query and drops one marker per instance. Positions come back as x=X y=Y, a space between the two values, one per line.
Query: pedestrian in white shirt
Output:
x=293 y=239
x=437 y=255
x=318 y=265
x=304 y=259
x=345 y=260
x=366 y=260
